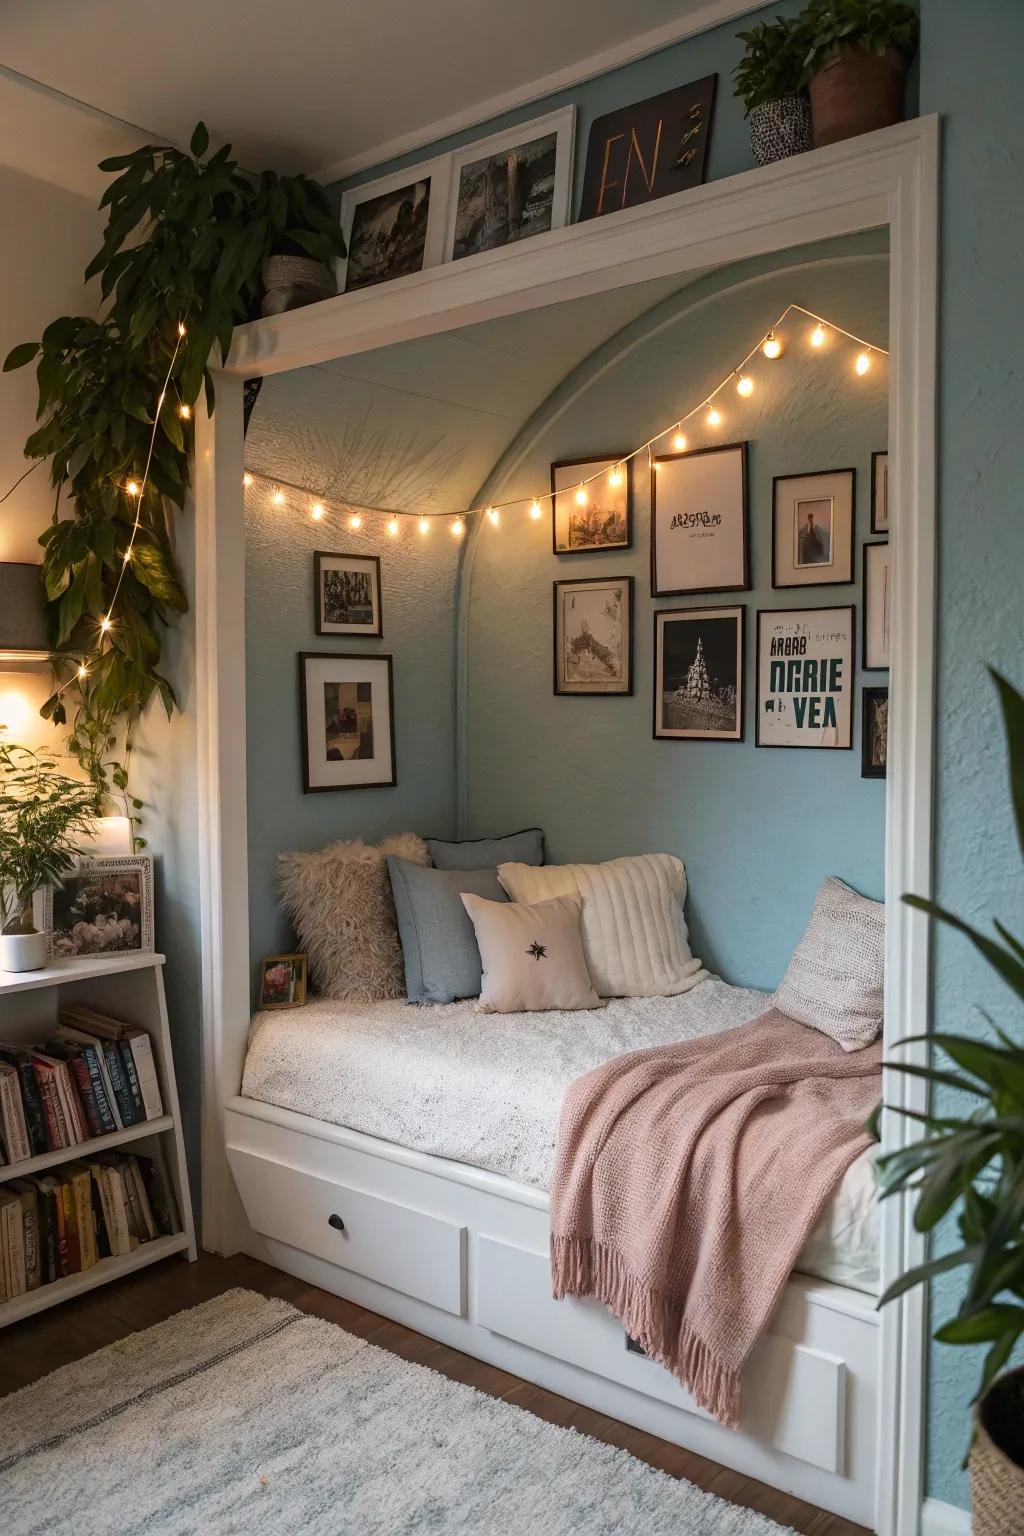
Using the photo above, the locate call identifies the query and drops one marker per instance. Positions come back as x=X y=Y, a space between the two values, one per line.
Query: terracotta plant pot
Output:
x=997 y=1459
x=779 y=129
x=22 y=951
x=291 y=282
x=856 y=92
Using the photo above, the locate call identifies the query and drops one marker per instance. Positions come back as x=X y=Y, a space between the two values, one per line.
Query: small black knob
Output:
x=336 y=1222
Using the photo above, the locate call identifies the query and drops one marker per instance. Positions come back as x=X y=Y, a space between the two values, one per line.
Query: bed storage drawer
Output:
x=406 y=1249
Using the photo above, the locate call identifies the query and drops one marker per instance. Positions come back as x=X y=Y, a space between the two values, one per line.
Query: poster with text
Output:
x=805 y=677
x=699 y=522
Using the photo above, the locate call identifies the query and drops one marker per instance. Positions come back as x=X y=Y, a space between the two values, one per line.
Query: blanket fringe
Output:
x=586 y=1267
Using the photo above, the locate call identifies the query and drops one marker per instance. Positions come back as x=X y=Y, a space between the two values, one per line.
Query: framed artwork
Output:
x=698 y=674
x=805 y=677
x=510 y=186
x=589 y=518
x=394 y=225
x=699 y=522
x=104 y=907
x=812 y=528
x=348 y=721
x=283 y=981
x=877 y=607
x=648 y=149
x=593 y=636
x=880 y=493
x=874 y=738
x=346 y=594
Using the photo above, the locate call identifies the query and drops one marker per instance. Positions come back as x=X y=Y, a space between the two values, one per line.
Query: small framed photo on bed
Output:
x=877 y=608
x=591 y=505
x=698 y=674
x=283 y=981
x=874 y=741
x=346 y=594
x=593 y=636
x=880 y=493
x=805 y=664
x=348 y=721
x=812 y=528
x=699 y=534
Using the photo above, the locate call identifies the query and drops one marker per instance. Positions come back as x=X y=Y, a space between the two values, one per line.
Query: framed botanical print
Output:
x=346 y=594
x=874 y=738
x=590 y=515
x=104 y=907
x=394 y=225
x=805 y=663
x=515 y=184
x=880 y=493
x=699 y=522
x=812 y=528
x=593 y=636
x=698 y=674
x=877 y=607
x=347 y=718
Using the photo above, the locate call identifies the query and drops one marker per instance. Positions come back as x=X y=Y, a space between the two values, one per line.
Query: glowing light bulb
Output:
x=132 y=487
x=247 y=479
x=424 y=525
x=863 y=362
x=278 y=498
x=83 y=671
x=105 y=624
x=581 y=496
x=536 y=510
x=184 y=411
x=355 y=521
x=494 y=515
x=316 y=511
x=679 y=441
x=393 y=527
x=126 y=557
x=615 y=475
x=744 y=386
x=458 y=528
x=772 y=346
x=818 y=336
x=714 y=416
x=181 y=328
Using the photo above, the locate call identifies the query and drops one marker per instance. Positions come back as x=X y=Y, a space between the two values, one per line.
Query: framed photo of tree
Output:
x=698 y=674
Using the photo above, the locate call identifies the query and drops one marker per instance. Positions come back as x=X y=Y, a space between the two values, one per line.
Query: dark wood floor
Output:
x=31 y=1349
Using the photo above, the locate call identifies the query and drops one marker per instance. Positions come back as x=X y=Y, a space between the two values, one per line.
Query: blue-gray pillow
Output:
x=442 y=961
x=525 y=847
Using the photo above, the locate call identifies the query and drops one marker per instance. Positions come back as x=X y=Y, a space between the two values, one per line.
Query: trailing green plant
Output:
x=874 y=25
x=41 y=809
x=179 y=267
x=773 y=65
x=973 y=1157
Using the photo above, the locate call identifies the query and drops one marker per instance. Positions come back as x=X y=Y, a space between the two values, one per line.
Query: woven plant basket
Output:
x=997 y=1479
x=291 y=282
x=780 y=128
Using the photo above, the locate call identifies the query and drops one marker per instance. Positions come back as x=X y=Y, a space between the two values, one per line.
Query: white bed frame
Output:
x=835 y=1392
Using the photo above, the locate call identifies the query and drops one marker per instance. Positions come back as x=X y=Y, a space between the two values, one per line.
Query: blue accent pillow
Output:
x=525 y=847
x=442 y=961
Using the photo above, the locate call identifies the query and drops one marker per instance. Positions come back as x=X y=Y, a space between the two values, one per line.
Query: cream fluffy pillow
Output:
x=634 y=934
x=339 y=899
x=532 y=956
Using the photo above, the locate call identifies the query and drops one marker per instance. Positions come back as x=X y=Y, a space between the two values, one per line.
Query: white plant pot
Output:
x=22 y=951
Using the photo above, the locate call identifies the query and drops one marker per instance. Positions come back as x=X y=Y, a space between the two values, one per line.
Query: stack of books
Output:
x=62 y=1223
x=93 y=1076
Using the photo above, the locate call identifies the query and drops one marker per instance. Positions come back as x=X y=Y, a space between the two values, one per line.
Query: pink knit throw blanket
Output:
x=688 y=1178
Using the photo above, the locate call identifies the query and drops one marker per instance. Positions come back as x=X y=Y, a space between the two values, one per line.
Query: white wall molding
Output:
x=938 y=1519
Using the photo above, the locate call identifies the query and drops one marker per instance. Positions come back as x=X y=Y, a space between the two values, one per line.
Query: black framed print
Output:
x=877 y=607
x=591 y=515
x=880 y=492
x=698 y=674
x=805 y=666
x=593 y=636
x=874 y=736
x=812 y=528
x=699 y=522
x=348 y=721
x=346 y=594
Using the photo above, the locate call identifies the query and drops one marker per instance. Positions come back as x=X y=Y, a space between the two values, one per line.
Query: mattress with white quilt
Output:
x=486 y=1089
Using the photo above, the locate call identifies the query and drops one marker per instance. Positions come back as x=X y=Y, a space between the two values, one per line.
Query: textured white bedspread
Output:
x=486 y=1089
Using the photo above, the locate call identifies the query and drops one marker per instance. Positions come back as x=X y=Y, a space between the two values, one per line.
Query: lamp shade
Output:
x=22 y=623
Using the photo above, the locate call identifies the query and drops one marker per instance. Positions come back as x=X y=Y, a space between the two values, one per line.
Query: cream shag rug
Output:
x=245 y=1415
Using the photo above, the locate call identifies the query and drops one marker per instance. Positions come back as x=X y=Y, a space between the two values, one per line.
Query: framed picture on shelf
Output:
x=394 y=225
x=698 y=674
x=104 y=907
x=699 y=522
x=346 y=594
x=648 y=149
x=283 y=981
x=348 y=721
x=874 y=740
x=510 y=186
x=805 y=664
x=590 y=515
x=880 y=493
x=593 y=636
x=877 y=607
x=812 y=528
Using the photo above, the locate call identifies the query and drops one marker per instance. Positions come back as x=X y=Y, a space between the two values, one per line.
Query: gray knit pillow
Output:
x=834 y=980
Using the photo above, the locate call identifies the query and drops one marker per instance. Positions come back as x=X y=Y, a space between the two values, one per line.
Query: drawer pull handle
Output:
x=336 y=1222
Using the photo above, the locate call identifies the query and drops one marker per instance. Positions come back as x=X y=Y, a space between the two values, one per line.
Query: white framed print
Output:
x=394 y=225
x=104 y=907
x=698 y=674
x=699 y=522
x=347 y=718
x=805 y=666
x=511 y=185
x=880 y=493
x=812 y=528
x=877 y=608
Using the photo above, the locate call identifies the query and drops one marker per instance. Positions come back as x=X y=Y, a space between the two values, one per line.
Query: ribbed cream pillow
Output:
x=634 y=934
x=532 y=956
x=834 y=980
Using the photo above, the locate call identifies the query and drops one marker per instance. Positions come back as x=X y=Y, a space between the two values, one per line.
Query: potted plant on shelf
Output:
x=771 y=80
x=972 y=1156
x=304 y=238
x=41 y=810
x=858 y=53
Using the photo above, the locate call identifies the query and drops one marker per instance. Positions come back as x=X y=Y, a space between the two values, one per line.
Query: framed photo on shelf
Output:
x=648 y=149
x=348 y=721
x=812 y=528
x=394 y=225
x=805 y=665
x=510 y=186
x=588 y=518
x=880 y=492
x=283 y=981
x=874 y=739
x=346 y=594
x=699 y=522
x=877 y=607
x=104 y=907
x=698 y=674
x=593 y=636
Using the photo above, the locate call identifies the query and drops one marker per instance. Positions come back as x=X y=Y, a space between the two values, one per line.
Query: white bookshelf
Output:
x=128 y=988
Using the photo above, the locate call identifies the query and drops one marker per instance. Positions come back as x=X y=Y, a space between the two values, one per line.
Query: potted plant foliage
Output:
x=771 y=80
x=41 y=810
x=972 y=1157
x=858 y=53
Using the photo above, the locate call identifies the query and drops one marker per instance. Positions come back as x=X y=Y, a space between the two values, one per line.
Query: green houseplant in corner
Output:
x=772 y=82
x=858 y=53
x=972 y=1158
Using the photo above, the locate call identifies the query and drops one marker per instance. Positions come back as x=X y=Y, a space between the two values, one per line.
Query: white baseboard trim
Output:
x=938 y=1519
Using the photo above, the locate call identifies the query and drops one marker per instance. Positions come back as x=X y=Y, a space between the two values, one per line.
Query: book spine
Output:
x=30 y=1215
x=80 y=1072
x=99 y=1093
x=49 y=1114
x=77 y=1123
x=100 y=1218
x=115 y=1069
x=16 y=1248
x=13 y=1116
x=131 y=1077
x=33 y=1108
x=57 y=1105
x=82 y=1185
x=148 y=1228
x=149 y=1082
x=48 y=1270
x=71 y=1252
x=4 y=1260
